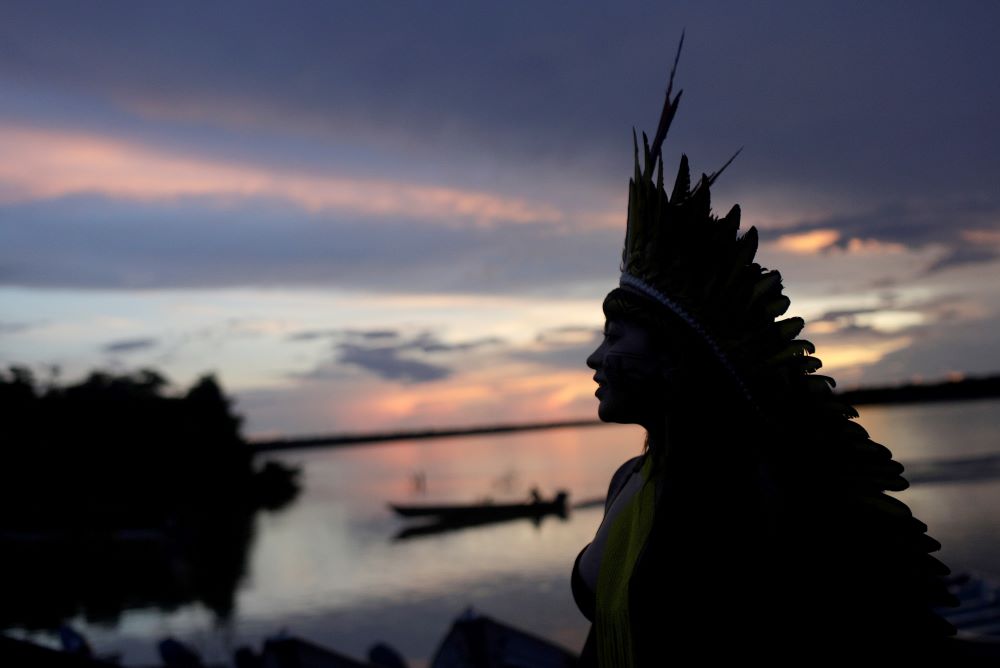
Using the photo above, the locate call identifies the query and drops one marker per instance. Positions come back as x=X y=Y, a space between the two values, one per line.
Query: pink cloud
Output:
x=43 y=164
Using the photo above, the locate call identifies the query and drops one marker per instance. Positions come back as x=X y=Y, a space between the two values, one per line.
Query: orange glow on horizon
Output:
x=489 y=396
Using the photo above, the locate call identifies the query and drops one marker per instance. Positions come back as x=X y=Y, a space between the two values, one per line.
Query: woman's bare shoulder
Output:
x=619 y=478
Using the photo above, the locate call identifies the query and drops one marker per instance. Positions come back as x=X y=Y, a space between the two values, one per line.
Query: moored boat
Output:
x=484 y=511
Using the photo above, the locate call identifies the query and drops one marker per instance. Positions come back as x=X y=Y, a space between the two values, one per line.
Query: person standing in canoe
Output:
x=755 y=523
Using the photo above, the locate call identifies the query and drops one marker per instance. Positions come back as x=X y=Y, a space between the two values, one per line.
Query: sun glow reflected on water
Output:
x=329 y=570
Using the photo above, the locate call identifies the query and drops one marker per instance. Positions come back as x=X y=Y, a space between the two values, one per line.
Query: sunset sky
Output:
x=366 y=216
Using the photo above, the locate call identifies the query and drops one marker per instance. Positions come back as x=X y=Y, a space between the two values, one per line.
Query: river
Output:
x=329 y=569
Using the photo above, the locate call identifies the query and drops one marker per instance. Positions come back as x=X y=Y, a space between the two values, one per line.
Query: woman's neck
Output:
x=671 y=436
x=658 y=439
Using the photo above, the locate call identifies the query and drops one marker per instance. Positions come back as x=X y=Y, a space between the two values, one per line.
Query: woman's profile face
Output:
x=628 y=373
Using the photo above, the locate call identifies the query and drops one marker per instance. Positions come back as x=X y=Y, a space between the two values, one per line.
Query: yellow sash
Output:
x=626 y=538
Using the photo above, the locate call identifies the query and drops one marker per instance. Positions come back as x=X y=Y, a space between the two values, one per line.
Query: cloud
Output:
x=893 y=315
x=570 y=334
x=385 y=362
x=390 y=355
x=845 y=333
x=203 y=242
x=962 y=255
x=545 y=89
x=884 y=343
x=130 y=345
x=808 y=242
x=425 y=341
x=946 y=348
x=429 y=343
x=565 y=347
x=844 y=314
x=15 y=327
x=52 y=164
x=349 y=129
x=316 y=334
x=424 y=356
x=966 y=230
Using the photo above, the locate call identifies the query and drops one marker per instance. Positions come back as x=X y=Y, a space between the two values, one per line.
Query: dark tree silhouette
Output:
x=116 y=494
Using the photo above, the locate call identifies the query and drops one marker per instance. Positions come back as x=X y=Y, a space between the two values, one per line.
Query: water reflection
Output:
x=54 y=575
x=964 y=469
x=117 y=497
x=326 y=569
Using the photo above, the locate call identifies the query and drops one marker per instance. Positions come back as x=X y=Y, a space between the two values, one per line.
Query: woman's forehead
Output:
x=625 y=322
x=620 y=302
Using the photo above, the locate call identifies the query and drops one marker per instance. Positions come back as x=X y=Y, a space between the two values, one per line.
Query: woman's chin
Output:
x=607 y=413
x=612 y=411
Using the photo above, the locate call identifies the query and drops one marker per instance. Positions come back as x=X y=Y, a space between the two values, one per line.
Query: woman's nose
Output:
x=595 y=359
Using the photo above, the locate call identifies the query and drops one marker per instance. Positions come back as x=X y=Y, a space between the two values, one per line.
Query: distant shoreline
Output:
x=948 y=390
x=965 y=389
x=336 y=440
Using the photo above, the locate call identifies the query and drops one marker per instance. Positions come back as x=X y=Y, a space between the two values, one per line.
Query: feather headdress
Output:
x=681 y=259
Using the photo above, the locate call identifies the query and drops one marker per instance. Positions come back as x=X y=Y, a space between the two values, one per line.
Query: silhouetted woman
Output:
x=755 y=524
